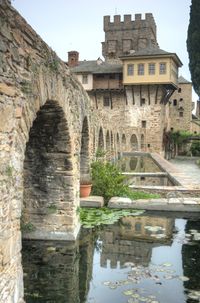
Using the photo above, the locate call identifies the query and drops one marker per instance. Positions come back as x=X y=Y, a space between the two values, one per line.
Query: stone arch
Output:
x=48 y=178
x=134 y=142
x=107 y=141
x=123 y=142
x=111 y=141
x=84 y=153
x=142 y=142
x=118 y=142
x=101 y=140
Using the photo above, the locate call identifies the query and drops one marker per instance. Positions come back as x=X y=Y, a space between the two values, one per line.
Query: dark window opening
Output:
x=174 y=102
x=180 y=114
x=179 y=90
x=149 y=145
x=144 y=124
x=106 y=101
x=142 y=101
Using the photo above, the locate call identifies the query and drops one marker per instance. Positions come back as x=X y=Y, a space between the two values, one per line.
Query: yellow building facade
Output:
x=158 y=67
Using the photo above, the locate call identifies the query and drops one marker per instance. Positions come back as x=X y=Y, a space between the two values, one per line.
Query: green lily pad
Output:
x=128 y=292
x=91 y=217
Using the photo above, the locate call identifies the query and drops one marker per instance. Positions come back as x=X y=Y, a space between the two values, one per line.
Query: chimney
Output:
x=73 y=58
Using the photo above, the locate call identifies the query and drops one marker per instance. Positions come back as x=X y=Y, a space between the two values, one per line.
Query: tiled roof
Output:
x=181 y=79
x=150 y=51
x=96 y=68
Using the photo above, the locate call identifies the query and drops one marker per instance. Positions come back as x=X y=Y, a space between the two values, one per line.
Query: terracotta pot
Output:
x=85 y=190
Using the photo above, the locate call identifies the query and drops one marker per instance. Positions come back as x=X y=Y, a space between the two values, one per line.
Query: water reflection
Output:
x=138 y=259
x=138 y=164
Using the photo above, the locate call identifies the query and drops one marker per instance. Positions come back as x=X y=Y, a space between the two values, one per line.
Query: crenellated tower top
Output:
x=130 y=34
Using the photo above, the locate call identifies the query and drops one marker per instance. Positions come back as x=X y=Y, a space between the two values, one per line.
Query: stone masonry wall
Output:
x=141 y=124
x=42 y=109
x=181 y=107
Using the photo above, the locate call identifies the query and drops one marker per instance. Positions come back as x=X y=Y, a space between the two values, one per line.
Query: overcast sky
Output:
x=78 y=25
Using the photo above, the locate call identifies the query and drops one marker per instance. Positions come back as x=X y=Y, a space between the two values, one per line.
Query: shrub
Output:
x=195 y=148
x=108 y=182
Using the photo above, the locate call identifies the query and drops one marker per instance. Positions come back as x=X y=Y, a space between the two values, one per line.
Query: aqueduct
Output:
x=44 y=145
x=47 y=138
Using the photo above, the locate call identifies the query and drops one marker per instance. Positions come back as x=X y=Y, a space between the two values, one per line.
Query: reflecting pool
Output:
x=139 y=163
x=148 y=258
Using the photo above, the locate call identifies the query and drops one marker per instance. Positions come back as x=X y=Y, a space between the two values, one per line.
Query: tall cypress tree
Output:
x=193 y=44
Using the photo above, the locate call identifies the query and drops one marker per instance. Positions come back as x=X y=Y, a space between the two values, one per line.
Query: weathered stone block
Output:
x=92 y=201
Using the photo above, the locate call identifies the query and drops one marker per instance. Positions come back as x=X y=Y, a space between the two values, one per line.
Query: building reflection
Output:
x=58 y=271
x=190 y=258
x=51 y=271
x=133 y=239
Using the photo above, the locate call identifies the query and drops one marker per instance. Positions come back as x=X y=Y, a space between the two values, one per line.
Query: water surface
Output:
x=139 y=259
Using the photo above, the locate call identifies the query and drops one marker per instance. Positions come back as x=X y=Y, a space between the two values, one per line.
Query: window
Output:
x=174 y=102
x=142 y=101
x=180 y=114
x=141 y=69
x=106 y=101
x=138 y=226
x=151 y=68
x=149 y=145
x=162 y=68
x=179 y=90
x=130 y=69
x=144 y=124
x=85 y=79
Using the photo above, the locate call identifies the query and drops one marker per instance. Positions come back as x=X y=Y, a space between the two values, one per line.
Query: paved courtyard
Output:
x=188 y=166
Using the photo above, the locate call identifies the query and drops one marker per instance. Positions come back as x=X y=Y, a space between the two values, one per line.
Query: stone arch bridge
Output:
x=44 y=145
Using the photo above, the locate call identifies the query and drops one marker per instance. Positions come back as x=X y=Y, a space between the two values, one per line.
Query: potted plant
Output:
x=85 y=186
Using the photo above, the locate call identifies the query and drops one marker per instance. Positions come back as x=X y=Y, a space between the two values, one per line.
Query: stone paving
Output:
x=183 y=169
x=188 y=167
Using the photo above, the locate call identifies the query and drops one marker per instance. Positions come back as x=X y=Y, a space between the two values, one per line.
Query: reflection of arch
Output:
x=112 y=141
x=142 y=143
x=134 y=142
x=84 y=155
x=118 y=144
x=123 y=142
x=107 y=141
x=48 y=175
x=100 y=141
x=133 y=163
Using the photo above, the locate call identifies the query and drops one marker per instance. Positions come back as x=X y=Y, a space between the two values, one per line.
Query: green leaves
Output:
x=91 y=217
x=107 y=181
x=193 y=44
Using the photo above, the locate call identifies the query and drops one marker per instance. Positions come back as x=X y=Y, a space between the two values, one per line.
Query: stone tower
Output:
x=122 y=37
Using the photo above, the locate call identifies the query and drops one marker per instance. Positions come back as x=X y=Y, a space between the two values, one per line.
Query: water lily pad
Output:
x=183 y=278
x=91 y=217
x=128 y=264
x=128 y=292
x=107 y=283
x=167 y=264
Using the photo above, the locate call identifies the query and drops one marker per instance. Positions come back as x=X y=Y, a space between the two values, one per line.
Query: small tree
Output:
x=193 y=44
